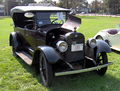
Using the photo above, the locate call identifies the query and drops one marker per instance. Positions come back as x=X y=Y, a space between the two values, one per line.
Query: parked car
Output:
x=111 y=37
x=46 y=37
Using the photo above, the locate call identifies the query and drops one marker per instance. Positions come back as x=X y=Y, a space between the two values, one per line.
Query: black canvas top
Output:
x=20 y=9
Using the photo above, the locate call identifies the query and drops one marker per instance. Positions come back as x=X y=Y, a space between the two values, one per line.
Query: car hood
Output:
x=72 y=23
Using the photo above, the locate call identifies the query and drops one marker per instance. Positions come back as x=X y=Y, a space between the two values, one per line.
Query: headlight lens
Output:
x=92 y=43
x=62 y=46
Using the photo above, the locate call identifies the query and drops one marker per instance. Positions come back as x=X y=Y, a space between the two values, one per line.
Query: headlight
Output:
x=62 y=46
x=92 y=43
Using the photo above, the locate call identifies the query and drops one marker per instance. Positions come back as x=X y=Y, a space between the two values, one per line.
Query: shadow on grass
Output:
x=29 y=69
x=87 y=17
x=86 y=82
x=3 y=17
x=118 y=52
x=89 y=81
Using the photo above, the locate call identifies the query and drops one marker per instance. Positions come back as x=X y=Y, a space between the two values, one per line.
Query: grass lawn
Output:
x=15 y=75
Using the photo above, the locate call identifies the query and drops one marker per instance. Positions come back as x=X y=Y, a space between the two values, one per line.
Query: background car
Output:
x=111 y=36
x=47 y=38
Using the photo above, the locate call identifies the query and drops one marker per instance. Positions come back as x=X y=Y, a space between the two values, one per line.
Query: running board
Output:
x=115 y=49
x=25 y=57
x=82 y=70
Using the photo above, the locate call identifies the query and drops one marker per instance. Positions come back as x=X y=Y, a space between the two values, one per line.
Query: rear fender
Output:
x=102 y=46
x=13 y=38
x=50 y=53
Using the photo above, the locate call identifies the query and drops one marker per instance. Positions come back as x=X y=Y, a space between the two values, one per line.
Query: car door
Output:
x=114 y=40
x=30 y=37
x=35 y=38
x=40 y=38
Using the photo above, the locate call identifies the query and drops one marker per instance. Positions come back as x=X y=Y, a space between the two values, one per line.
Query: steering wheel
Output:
x=56 y=21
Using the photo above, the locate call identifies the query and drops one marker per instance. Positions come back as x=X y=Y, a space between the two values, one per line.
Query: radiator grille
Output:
x=74 y=38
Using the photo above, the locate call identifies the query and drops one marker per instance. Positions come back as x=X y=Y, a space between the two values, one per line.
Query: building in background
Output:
x=9 y=4
x=2 y=10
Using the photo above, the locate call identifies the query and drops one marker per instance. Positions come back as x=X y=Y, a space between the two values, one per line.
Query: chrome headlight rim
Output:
x=62 y=46
x=92 y=43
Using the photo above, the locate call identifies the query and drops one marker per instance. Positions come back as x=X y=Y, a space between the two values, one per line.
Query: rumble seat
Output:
x=113 y=31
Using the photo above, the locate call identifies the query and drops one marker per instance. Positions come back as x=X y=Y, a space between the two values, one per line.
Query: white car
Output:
x=111 y=36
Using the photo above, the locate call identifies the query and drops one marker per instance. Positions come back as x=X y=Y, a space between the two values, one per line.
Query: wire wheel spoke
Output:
x=43 y=67
x=45 y=70
x=102 y=59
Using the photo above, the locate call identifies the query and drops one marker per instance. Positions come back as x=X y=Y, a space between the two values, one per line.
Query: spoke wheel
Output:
x=45 y=70
x=102 y=59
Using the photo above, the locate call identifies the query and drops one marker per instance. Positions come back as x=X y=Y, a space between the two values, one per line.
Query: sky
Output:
x=89 y=1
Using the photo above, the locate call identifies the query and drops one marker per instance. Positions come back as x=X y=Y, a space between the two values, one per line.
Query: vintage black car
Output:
x=47 y=38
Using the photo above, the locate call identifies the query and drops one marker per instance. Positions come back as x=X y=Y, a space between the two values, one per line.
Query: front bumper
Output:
x=82 y=70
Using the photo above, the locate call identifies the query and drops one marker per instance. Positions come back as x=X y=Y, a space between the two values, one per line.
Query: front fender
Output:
x=51 y=54
x=102 y=46
x=103 y=34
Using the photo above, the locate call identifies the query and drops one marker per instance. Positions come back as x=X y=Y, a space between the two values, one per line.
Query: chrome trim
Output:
x=115 y=48
x=82 y=70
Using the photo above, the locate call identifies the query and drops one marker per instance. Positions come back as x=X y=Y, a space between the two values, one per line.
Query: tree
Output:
x=9 y=4
x=48 y=3
x=1 y=1
x=76 y=5
x=113 y=6
x=72 y=3
x=12 y=3
x=96 y=6
x=25 y=2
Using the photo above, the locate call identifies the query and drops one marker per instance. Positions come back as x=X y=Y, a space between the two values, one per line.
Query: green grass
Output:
x=15 y=75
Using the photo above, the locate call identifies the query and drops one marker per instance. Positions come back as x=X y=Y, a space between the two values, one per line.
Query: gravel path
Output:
x=98 y=15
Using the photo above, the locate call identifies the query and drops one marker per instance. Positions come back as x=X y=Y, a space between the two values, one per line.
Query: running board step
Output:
x=115 y=49
x=82 y=70
x=25 y=57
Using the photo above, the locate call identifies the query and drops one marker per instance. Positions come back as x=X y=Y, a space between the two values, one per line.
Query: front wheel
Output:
x=102 y=59
x=46 y=71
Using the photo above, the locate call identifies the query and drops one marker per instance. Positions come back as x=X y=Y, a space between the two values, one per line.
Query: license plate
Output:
x=76 y=47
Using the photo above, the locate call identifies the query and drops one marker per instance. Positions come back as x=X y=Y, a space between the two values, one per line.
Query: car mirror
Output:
x=29 y=15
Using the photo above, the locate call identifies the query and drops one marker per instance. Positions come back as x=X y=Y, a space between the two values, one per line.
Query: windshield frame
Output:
x=36 y=17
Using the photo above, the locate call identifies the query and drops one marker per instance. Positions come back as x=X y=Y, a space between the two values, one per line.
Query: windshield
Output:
x=44 y=18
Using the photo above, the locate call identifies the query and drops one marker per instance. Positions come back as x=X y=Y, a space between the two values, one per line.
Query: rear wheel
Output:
x=14 y=48
x=45 y=70
x=102 y=59
x=99 y=37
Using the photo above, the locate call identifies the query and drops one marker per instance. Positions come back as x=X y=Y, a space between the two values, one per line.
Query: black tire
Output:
x=14 y=48
x=102 y=59
x=46 y=71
